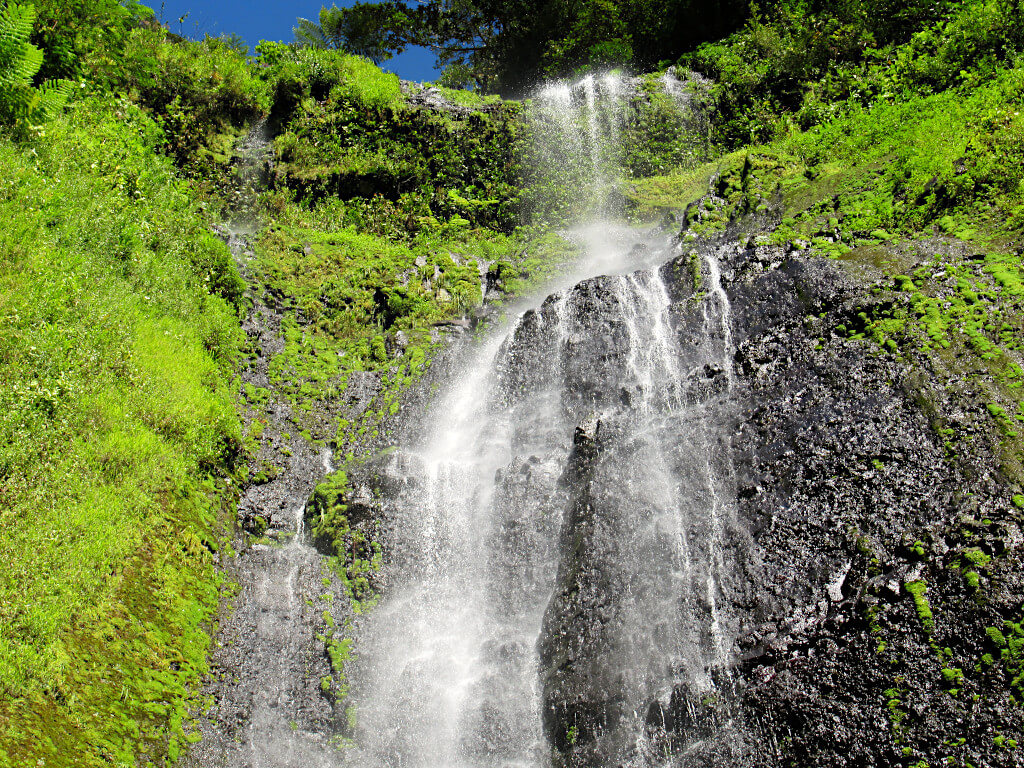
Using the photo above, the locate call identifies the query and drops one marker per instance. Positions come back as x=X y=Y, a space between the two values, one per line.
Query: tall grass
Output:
x=116 y=429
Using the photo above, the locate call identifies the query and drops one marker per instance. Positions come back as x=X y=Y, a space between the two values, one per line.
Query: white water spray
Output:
x=448 y=673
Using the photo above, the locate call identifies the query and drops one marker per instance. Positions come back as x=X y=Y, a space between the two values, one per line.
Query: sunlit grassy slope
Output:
x=117 y=431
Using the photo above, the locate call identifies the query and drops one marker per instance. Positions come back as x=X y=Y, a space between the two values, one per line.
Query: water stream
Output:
x=559 y=542
x=559 y=546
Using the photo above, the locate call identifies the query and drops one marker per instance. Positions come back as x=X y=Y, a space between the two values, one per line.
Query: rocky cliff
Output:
x=875 y=583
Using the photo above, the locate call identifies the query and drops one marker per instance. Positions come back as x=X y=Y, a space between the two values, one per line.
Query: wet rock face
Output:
x=633 y=633
x=843 y=495
x=851 y=496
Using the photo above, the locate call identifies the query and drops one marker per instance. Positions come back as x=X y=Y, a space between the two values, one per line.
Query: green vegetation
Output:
x=918 y=590
x=400 y=170
x=882 y=128
x=21 y=105
x=504 y=47
x=359 y=555
x=199 y=93
x=118 y=438
x=120 y=443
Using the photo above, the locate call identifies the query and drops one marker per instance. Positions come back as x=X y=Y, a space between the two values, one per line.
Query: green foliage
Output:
x=803 y=62
x=23 y=107
x=85 y=39
x=660 y=135
x=359 y=31
x=504 y=47
x=117 y=431
x=976 y=557
x=325 y=33
x=196 y=91
x=356 y=292
x=457 y=75
x=295 y=74
x=467 y=98
x=657 y=196
x=402 y=170
x=357 y=555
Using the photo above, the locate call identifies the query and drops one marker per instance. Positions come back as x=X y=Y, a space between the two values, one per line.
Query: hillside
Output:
x=235 y=291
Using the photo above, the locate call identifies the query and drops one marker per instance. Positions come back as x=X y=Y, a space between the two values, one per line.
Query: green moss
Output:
x=897 y=713
x=356 y=552
x=976 y=557
x=918 y=591
x=655 y=196
x=1004 y=742
x=466 y=98
x=952 y=677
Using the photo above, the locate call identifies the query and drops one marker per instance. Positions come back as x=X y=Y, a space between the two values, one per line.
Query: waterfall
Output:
x=270 y=712
x=561 y=534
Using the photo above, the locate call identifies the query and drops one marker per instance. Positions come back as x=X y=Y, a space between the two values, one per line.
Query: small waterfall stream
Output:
x=266 y=708
x=560 y=543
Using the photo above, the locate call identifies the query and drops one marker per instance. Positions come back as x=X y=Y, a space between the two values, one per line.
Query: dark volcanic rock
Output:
x=850 y=495
x=859 y=638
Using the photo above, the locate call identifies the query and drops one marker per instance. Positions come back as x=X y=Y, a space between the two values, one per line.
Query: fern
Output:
x=329 y=33
x=310 y=34
x=23 y=106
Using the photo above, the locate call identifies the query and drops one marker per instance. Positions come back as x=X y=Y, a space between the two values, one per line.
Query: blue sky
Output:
x=257 y=20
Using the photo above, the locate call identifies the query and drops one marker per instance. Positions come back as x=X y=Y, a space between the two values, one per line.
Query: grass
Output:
x=118 y=434
x=466 y=98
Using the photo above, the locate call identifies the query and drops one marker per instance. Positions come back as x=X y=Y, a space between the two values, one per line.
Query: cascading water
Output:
x=269 y=712
x=562 y=536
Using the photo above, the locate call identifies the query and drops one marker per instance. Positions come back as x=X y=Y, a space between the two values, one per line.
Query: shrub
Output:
x=195 y=90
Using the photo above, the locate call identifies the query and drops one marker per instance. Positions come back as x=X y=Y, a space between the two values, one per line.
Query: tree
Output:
x=509 y=44
x=374 y=30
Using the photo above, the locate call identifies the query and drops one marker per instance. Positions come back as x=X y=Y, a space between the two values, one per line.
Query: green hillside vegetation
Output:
x=382 y=223
x=118 y=437
x=885 y=134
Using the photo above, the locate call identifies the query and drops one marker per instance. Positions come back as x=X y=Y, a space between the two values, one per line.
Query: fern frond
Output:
x=21 y=105
x=53 y=95
x=16 y=22
x=17 y=55
x=30 y=63
x=309 y=34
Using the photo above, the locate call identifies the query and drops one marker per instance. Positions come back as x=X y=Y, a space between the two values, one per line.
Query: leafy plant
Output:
x=117 y=434
x=21 y=105
x=342 y=29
